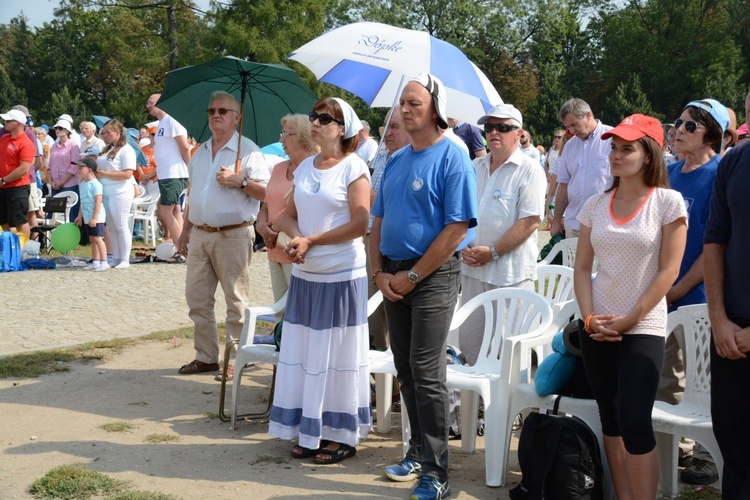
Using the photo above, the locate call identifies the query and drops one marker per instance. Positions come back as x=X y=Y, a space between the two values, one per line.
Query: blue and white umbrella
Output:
x=374 y=61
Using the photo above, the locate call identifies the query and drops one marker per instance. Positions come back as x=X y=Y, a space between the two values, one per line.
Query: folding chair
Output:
x=53 y=205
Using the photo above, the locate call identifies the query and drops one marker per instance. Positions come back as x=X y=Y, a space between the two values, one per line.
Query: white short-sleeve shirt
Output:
x=628 y=253
x=169 y=162
x=515 y=190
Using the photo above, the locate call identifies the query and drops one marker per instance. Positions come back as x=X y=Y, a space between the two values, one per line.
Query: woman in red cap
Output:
x=636 y=229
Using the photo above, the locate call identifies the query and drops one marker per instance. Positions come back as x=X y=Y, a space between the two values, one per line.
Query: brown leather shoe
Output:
x=196 y=366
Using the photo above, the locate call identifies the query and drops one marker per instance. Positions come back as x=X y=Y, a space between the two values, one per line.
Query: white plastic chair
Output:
x=566 y=247
x=144 y=209
x=692 y=416
x=508 y=312
x=72 y=200
x=248 y=352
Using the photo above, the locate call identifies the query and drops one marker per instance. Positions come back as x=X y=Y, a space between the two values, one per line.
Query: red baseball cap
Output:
x=636 y=126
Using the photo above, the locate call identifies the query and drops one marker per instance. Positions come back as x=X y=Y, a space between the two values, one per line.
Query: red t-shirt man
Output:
x=16 y=158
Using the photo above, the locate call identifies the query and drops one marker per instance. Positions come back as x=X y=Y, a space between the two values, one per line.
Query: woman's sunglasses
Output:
x=323 y=118
x=689 y=125
x=503 y=128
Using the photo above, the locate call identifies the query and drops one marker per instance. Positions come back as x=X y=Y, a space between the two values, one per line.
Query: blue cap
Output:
x=45 y=127
x=91 y=151
x=133 y=132
x=714 y=108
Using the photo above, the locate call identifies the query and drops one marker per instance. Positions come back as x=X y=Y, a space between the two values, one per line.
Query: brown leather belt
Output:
x=211 y=229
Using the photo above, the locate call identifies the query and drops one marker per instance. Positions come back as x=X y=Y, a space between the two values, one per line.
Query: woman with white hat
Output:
x=323 y=388
x=63 y=163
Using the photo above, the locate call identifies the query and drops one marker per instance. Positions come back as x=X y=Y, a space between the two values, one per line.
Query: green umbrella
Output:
x=267 y=92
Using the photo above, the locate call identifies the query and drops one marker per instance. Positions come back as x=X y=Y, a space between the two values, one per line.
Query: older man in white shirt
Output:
x=221 y=208
x=584 y=168
x=510 y=197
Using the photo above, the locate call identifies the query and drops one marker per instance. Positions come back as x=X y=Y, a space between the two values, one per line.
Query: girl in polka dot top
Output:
x=636 y=230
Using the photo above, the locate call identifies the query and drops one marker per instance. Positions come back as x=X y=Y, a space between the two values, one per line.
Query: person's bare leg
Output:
x=617 y=456
x=32 y=219
x=170 y=220
x=643 y=473
x=25 y=229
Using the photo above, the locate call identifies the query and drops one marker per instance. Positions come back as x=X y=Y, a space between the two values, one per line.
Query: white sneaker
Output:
x=102 y=267
x=122 y=265
x=91 y=267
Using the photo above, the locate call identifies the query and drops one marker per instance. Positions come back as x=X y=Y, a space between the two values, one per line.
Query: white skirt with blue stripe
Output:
x=323 y=376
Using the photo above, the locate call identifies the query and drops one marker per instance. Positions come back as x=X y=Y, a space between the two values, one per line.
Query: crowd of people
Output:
x=440 y=207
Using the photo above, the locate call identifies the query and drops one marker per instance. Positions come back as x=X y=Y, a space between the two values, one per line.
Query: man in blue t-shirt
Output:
x=423 y=212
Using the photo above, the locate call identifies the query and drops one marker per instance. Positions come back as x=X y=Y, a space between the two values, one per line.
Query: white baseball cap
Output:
x=502 y=111
x=15 y=115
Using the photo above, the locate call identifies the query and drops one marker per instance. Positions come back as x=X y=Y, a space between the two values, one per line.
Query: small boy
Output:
x=92 y=211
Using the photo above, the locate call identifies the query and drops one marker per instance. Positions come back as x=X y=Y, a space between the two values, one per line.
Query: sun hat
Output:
x=65 y=117
x=714 y=108
x=15 y=115
x=352 y=125
x=88 y=162
x=439 y=98
x=152 y=130
x=502 y=111
x=637 y=126
x=64 y=124
x=144 y=142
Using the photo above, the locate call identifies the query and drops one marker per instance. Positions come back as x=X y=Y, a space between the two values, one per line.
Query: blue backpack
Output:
x=10 y=252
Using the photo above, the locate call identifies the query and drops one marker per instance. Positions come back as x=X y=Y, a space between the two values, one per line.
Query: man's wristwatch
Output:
x=244 y=183
x=495 y=255
x=3 y=181
x=413 y=277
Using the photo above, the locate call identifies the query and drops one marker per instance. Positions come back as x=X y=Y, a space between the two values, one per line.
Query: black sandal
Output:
x=305 y=453
x=343 y=452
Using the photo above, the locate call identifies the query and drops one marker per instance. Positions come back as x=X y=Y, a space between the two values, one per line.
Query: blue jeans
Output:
x=418 y=327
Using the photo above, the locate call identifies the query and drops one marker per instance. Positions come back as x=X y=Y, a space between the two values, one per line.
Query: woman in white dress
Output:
x=116 y=166
x=323 y=389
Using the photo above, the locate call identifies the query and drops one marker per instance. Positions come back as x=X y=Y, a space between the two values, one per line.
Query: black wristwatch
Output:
x=244 y=183
x=3 y=180
x=413 y=277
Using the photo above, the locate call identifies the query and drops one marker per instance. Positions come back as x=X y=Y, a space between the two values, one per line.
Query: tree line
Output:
x=105 y=57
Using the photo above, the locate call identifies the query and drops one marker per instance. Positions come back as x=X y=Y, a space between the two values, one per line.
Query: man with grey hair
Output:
x=219 y=216
x=368 y=147
x=89 y=142
x=584 y=168
x=510 y=194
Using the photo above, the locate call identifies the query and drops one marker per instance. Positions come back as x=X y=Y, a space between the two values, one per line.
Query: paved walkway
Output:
x=57 y=308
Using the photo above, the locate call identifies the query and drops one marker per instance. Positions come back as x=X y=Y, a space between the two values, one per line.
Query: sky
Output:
x=40 y=11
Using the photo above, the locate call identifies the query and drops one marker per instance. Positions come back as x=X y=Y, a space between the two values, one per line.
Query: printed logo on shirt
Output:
x=417 y=184
x=12 y=148
x=160 y=133
x=688 y=204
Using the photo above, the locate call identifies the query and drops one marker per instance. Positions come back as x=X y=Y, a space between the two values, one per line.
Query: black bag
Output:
x=559 y=458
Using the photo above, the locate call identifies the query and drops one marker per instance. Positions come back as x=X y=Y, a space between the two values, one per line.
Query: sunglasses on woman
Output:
x=323 y=118
x=221 y=111
x=690 y=126
x=503 y=128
